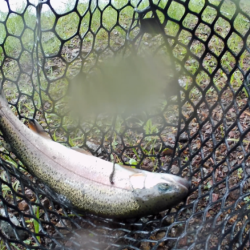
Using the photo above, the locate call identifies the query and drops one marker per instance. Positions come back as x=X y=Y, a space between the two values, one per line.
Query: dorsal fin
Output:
x=37 y=128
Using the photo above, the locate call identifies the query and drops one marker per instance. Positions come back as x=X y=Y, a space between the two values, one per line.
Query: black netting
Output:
x=201 y=133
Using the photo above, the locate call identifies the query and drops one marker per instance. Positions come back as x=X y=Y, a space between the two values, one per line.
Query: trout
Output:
x=82 y=181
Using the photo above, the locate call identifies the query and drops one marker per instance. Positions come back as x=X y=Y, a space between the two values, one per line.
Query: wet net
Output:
x=201 y=133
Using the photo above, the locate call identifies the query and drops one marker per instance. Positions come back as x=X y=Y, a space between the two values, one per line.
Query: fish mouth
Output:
x=183 y=183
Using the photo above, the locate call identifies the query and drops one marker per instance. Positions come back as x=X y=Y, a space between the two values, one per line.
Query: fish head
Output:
x=155 y=192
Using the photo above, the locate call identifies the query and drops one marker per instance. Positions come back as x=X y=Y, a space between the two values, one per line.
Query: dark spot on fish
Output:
x=54 y=157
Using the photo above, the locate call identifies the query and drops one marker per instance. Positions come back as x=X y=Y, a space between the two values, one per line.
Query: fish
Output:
x=86 y=183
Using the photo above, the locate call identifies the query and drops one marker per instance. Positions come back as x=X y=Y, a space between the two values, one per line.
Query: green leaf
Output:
x=36 y=224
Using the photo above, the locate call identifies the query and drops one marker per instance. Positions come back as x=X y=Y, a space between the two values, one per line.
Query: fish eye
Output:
x=163 y=186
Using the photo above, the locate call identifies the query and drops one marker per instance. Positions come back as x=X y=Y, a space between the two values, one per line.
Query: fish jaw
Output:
x=181 y=182
x=158 y=192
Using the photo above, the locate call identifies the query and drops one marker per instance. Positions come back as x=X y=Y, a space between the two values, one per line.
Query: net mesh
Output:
x=202 y=133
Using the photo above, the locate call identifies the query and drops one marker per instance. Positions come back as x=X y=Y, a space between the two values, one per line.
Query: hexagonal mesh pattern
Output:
x=201 y=133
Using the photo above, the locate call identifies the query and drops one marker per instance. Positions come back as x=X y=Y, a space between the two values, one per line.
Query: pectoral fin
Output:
x=37 y=128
